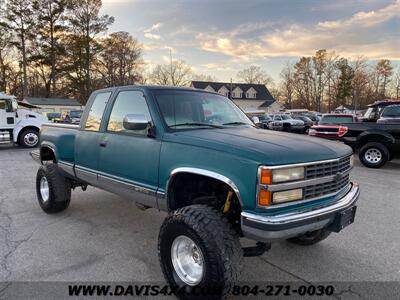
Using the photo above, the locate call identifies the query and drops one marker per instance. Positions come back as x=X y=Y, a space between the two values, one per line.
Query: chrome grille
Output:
x=318 y=190
x=328 y=168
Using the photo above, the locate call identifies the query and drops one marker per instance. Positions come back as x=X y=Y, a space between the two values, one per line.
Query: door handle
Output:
x=103 y=144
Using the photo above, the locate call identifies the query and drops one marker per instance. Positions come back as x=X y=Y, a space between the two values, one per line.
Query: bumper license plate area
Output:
x=343 y=219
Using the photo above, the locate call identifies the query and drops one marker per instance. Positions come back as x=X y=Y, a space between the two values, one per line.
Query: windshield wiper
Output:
x=236 y=123
x=196 y=124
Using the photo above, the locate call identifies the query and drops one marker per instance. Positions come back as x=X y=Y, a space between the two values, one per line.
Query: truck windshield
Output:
x=336 y=120
x=286 y=117
x=186 y=109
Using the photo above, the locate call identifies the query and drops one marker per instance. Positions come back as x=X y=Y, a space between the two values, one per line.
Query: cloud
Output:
x=365 y=19
x=149 y=32
x=152 y=36
x=347 y=36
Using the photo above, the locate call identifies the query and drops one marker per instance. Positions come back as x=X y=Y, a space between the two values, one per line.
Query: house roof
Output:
x=262 y=91
x=51 y=101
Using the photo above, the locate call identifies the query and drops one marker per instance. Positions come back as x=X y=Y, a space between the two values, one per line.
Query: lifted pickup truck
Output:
x=196 y=155
x=377 y=142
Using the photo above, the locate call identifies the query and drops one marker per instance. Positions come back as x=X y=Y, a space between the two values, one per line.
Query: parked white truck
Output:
x=19 y=126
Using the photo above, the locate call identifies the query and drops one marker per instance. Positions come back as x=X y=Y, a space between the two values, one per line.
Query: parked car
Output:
x=390 y=114
x=264 y=121
x=376 y=143
x=72 y=117
x=286 y=123
x=219 y=177
x=375 y=109
x=330 y=126
x=54 y=117
x=308 y=123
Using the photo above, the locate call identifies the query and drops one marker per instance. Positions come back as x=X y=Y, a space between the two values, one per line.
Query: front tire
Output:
x=52 y=189
x=374 y=155
x=199 y=253
x=29 y=138
x=310 y=238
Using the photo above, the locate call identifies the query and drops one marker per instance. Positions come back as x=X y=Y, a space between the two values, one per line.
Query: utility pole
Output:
x=170 y=65
x=230 y=92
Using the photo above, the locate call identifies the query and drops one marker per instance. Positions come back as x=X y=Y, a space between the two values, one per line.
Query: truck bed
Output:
x=61 y=138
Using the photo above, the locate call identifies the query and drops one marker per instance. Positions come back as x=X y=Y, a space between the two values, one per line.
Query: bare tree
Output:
x=384 y=71
x=397 y=83
x=19 y=20
x=287 y=84
x=360 y=81
x=85 y=24
x=204 y=77
x=176 y=74
x=121 y=59
x=49 y=48
x=254 y=74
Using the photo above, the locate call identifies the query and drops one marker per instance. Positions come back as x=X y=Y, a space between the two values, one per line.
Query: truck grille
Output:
x=328 y=168
x=323 y=169
x=318 y=190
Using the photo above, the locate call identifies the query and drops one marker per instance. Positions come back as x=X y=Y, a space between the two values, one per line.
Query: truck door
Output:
x=88 y=138
x=7 y=115
x=128 y=161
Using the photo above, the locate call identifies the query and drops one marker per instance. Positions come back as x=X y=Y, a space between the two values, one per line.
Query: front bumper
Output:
x=284 y=226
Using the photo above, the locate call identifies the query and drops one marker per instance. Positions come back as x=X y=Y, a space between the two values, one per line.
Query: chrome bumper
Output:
x=271 y=228
x=35 y=154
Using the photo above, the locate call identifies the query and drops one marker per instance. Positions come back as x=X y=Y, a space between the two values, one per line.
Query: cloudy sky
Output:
x=221 y=37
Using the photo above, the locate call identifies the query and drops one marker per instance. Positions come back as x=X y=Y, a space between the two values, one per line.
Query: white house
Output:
x=57 y=105
x=248 y=97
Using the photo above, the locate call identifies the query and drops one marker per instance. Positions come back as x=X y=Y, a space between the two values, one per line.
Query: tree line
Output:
x=55 y=48
x=325 y=81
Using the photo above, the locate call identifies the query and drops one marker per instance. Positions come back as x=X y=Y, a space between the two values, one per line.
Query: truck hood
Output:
x=27 y=114
x=264 y=146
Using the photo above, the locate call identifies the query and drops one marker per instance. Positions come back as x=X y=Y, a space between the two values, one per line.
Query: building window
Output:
x=251 y=94
x=223 y=91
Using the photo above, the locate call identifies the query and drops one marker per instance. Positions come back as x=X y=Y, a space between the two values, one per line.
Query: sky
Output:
x=221 y=37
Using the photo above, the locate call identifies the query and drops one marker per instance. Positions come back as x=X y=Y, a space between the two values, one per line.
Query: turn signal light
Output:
x=266 y=176
x=264 y=198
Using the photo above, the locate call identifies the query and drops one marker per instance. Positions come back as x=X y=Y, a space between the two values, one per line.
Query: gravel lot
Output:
x=102 y=237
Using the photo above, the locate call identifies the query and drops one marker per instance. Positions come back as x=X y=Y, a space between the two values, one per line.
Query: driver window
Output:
x=2 y=104
x=128 y=102
x=278 y=118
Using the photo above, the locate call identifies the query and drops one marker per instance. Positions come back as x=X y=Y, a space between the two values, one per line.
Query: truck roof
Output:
x=157 y=87
x=384 y=102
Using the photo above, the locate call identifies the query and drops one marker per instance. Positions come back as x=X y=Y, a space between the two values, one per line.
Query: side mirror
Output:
x=135 y=122
x=255 y=120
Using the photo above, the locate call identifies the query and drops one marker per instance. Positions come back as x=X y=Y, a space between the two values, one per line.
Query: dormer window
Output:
x=251 y=93
x=209 y=88
x=223 y=91
x=237 y=93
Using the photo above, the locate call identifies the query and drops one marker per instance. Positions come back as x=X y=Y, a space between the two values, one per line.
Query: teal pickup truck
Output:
x=197 y=156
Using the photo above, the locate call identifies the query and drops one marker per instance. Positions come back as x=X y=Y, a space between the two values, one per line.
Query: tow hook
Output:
x=257 y=250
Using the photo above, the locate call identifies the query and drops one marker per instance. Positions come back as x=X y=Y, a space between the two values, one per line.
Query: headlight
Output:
x=269 y=176
x=276 y=176
x=286 y=196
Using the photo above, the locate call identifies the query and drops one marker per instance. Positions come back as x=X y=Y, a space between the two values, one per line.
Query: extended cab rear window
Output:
x=96 y=111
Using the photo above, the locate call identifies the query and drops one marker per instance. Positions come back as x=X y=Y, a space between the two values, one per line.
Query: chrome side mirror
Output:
x=135 y=122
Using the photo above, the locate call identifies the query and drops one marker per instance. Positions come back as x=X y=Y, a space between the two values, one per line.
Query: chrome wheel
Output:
x=373 y=155
x=31 y=139
x=44 y=189
x=188 y=260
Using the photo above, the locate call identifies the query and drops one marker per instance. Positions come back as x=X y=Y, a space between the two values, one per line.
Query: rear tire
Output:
x=29 y=138
x=286 y=128
x=310 y=238
x=373 y=155
x=215 y=242
x=52 y=189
